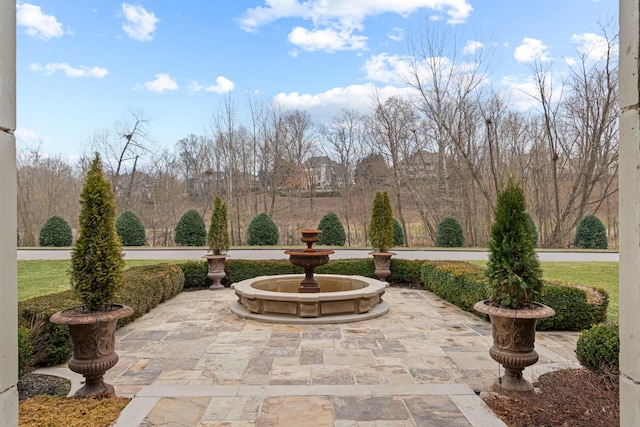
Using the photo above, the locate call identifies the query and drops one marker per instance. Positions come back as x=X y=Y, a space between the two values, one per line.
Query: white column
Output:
x=629 y=213
x=8 y=221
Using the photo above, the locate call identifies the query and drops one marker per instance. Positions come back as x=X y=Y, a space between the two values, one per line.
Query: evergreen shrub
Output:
x=218 y=235
x=449 y=234
x=598 y=348
x=463 y=284
x=56 y=232
x=190 y=229
x=513 y=271
x=332 y=230
x=97 y=261
x=533 y=229
x=262 y=231
x=25 y=351
x=398 y=234
x=130 y=229
x=381 y=226
x=590 y=234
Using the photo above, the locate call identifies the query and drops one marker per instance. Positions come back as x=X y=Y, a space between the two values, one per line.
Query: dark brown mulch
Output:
x=567 y=398
x=32 y=385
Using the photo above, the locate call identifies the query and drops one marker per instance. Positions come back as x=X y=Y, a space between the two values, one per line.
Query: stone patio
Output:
x=191 y=362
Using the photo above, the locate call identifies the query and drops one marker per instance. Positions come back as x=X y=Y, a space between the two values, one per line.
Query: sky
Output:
x=83 y=67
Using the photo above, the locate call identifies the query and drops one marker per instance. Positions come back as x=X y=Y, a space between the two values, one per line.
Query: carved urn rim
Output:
x=79 y=315
x=535 y=310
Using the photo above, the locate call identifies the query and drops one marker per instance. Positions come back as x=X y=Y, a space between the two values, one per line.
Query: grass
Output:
x=37 y=277
x=596 y=273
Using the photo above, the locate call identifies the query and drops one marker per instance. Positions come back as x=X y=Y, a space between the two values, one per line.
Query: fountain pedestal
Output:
x=309 y=259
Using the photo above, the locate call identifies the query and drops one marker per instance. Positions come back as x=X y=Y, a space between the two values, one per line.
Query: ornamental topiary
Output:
x=262 y=231
x=130 y=229
x=513 y=270
x=591 y=233
x=450 y=234
x=55 y=232
x=598 y=348
x=381 y=226
x=191 y=230
x=97 y=262
x=398 y=234
x=332 y=230
x=218 y=236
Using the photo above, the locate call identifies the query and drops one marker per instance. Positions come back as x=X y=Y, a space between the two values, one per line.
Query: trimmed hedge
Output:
x=195 y=272
x=463 y=284
x=144 y=288
x=25 y=351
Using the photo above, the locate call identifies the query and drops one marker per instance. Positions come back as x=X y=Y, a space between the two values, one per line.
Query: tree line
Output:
x=444 y=150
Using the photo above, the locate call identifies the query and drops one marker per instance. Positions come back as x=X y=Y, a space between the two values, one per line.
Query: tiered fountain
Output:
x=318 y=298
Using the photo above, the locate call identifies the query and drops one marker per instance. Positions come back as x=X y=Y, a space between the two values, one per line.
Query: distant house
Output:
x=324 y=174
x=421 y=165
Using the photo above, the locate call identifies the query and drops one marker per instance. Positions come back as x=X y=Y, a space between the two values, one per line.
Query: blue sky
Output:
x=84 y=66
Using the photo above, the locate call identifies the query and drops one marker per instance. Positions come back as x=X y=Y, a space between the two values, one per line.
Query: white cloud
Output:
x=223 y=85
x=334 y=21
x=472 y=46
x=69 y=71
x=140 y=24
x=397 y=34
x=162 y=83
x=23 y=134
x=524 y=93
x=37 y=23
x=531 y=50
x=323 y=106
x=594 y=47
x=329 y=40
x=386 y=68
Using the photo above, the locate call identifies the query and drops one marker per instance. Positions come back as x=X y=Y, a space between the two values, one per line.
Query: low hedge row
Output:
x=144 y=288
x=463 y=284
x=195 y=272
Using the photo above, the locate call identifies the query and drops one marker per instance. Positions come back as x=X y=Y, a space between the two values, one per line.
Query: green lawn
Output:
x=596 y=273
x=44 y=277
x=38 y=277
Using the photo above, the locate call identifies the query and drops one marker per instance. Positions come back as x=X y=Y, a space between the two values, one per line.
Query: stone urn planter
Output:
x=216 y=273
x=382 y=264
x=92 y=342
x=514 y=335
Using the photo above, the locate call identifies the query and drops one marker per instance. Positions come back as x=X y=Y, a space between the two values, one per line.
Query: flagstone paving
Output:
x=191 y=362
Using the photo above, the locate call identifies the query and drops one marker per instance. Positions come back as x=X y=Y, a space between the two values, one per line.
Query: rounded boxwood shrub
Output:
x=598 y=348
x=591 y=233
x=450 y=234
x=56 y=232
x=398 y=234
x=332 y=230
x=130 y=229
x=191 y=230
x=262 y=231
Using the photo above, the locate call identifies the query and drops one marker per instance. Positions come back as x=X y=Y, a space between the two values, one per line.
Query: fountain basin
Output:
x=341 y=299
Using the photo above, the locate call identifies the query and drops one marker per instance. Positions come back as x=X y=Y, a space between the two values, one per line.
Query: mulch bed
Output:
x=32 y=385
x=565 y=398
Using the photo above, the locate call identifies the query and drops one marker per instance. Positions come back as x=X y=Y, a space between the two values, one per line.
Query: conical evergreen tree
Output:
x=381 y=226
x=515 y=276
x=218 y=236
x=96 y=261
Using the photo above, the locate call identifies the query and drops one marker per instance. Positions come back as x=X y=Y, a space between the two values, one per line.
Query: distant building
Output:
x=421 y=165
x=324 y=174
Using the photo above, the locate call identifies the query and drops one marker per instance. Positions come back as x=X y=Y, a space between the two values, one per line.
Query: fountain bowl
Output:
x=341 y=299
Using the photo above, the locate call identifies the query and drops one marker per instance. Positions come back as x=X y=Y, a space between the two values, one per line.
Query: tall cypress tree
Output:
x=97 y=262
